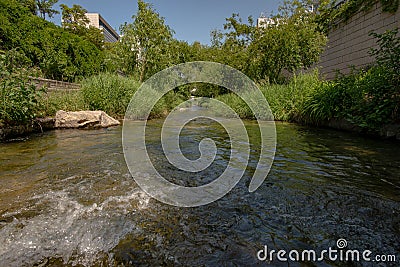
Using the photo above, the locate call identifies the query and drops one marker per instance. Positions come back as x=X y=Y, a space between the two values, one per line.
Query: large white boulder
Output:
x=84 y=119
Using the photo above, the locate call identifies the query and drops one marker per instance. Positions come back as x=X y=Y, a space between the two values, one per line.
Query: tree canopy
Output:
x=74 y=19
x=147 y=46
x=46 y=7
x=263 y=53
x=145 y=42
x=58 y=53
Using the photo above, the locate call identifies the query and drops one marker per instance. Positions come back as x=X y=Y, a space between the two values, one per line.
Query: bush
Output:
x=19 y=97
x=109 y=92
x=62 y=100
x=378 y=100
x=367 y=98
x=60 y=54
x=288 y=101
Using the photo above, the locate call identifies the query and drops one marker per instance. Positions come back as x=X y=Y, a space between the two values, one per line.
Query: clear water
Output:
x=67 y=198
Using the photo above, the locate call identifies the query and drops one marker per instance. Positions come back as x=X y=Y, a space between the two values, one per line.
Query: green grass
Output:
x=369 y=99
x=108 y=92
x=287 y=102
x=53 y=101
x=112 y=94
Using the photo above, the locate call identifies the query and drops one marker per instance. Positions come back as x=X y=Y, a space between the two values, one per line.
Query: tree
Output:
x=46 y=7
x=58 y=53
x=75 y=20
x=288 y=46
x=292 y=43
x=29 y=4
x=145 y=42
x=216 y=38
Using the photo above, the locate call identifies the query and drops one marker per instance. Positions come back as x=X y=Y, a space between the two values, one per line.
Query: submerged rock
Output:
x=84 y=119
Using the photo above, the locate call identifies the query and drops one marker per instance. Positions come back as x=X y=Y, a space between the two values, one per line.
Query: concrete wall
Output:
x=53 y=85
x=349 y=42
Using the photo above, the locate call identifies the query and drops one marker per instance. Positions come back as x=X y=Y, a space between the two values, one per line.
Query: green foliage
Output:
x=145 y=44
x=112 y=58
x=288 y=101
x=108 y=92
x=374 y=100
x=59 y=54
x=74 y=17
x=112 y=94
x=66 y=100
x=367 y=98
x=207 y=90
x=46 y=7
x=287 y=46
x=263 y=53
x=324 y=103
x=29 y=5
x=75 y=21
x=388 y=53
x=332 y=12
x=236 y=103
x=19 y=98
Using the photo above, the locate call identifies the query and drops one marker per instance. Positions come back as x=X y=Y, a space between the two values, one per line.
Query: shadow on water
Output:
x=67 y=198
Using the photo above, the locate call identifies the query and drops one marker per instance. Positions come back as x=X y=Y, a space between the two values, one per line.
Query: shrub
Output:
x=109 y=92
x=19 y=97
x=367 y=98
x=288 y=101
x=62 y=100
x=61 y=55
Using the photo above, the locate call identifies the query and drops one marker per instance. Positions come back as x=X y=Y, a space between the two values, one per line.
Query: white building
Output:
x=264 y=22
x=96 y=20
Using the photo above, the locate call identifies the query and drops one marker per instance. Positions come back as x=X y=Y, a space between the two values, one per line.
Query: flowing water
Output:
x=67 y=198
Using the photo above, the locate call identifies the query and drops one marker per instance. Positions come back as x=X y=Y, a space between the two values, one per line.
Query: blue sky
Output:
x=192 y=20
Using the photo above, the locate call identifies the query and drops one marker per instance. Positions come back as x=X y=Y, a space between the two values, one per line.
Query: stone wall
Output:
x=349 y=42
x=53 y=85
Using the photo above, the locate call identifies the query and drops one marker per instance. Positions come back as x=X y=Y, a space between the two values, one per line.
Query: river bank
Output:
x=62 y=120
x=40 y=125
x=390 y=131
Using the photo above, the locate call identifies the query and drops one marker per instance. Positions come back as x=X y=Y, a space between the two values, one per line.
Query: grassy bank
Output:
x=287 y=102
x=108 y=92
x=53 y=101
x=22 y=102
x=368 y=99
